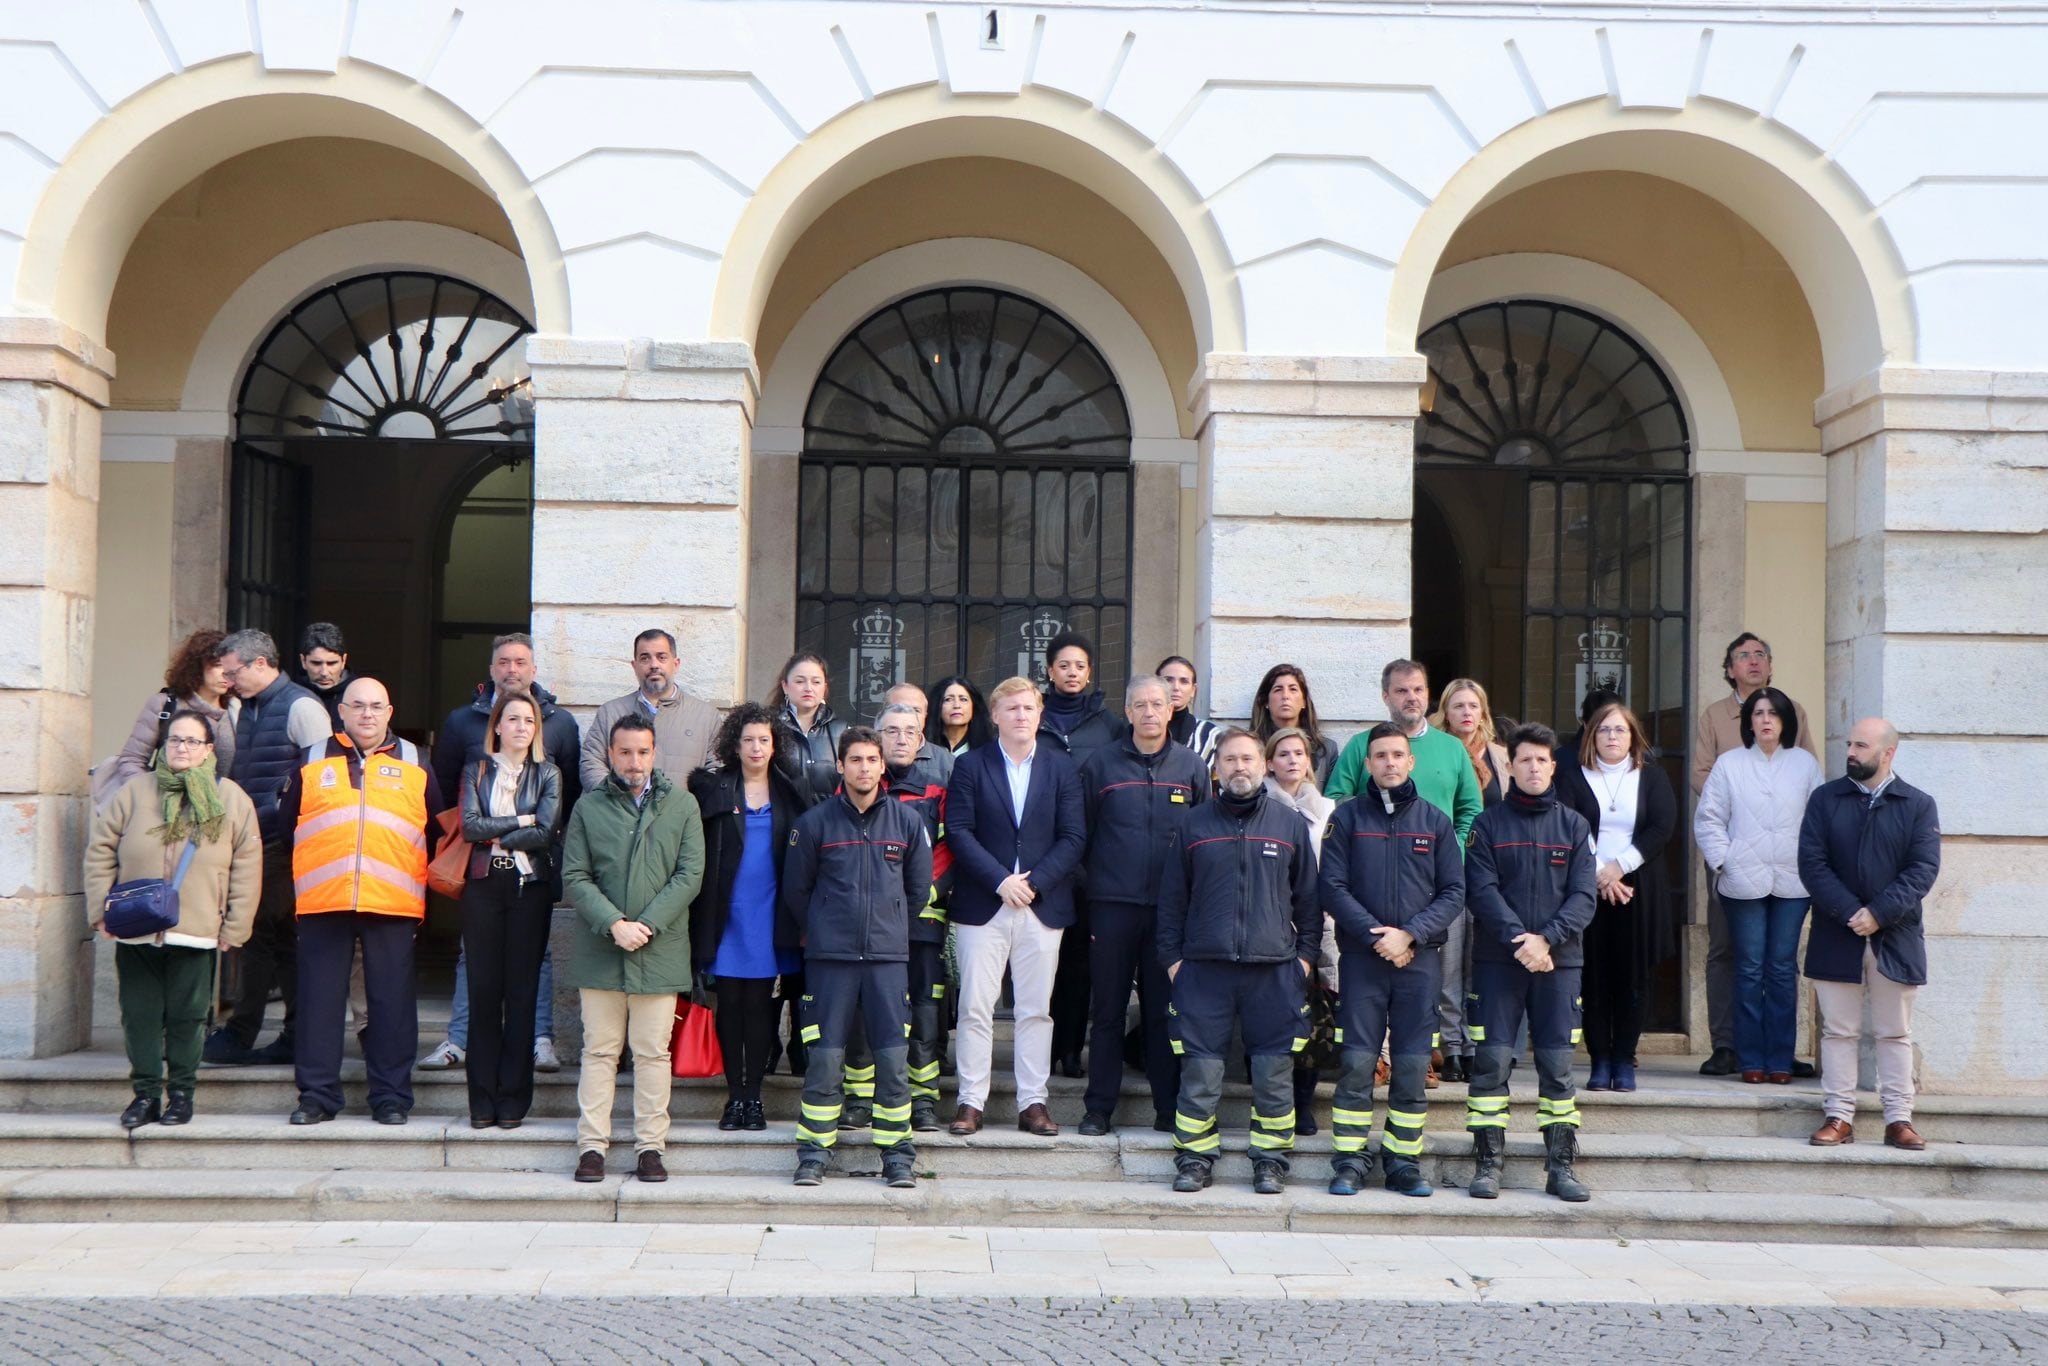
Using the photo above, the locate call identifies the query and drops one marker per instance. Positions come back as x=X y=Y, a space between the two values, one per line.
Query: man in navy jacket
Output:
x=1869 y=849
x=1015 y=824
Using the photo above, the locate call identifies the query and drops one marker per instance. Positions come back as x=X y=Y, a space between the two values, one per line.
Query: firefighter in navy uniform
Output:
x=910 y=781
x=1393 y=879
x=1530 y=887
x=1238 y=928
x=856 y=872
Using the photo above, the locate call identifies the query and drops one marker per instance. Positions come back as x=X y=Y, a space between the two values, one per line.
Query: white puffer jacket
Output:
x=1748 y=818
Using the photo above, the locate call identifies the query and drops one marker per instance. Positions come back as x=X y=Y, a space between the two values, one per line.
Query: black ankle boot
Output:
x=734 y=1115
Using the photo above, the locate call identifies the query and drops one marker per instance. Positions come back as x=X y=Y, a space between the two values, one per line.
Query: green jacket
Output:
x=623 y=860
x=1444 y=777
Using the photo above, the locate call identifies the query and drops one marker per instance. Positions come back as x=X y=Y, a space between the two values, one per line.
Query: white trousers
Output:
x=1020 y=940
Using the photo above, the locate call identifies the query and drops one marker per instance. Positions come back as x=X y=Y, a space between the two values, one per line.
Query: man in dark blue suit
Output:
x=1015 y=822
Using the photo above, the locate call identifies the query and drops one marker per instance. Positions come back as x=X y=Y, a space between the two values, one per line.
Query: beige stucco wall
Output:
x=1720 y=274
x=215 y=232
x=994 y=198
x=132 y=618
x=1784 y=583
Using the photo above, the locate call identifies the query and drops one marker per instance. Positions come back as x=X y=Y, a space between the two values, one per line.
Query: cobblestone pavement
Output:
x=331 y=1330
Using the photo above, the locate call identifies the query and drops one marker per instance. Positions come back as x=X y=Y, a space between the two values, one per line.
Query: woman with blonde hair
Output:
x=1464 y=711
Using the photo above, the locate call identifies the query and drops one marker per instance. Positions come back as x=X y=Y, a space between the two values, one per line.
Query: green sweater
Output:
x=627 y=860
x=1444 y=776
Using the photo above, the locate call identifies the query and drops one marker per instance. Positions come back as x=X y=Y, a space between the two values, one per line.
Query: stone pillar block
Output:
x=640 y=509
x=1307 y=491
x=53 y=386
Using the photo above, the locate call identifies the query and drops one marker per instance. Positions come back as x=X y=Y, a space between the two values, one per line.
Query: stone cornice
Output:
x=700 y=372
x=1908 y=398
x=45 y=351
x=1307 y=386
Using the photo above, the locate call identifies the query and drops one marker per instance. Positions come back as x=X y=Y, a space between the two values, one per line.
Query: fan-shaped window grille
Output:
x=965 y=494
x=399 y=356
x=1542 y=385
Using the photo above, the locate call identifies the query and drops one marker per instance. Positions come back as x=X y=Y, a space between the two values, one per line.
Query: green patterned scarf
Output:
x=192 y=804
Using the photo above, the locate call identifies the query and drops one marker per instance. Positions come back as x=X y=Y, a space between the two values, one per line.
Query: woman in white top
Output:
x=1291 y=781
x=1747 y=829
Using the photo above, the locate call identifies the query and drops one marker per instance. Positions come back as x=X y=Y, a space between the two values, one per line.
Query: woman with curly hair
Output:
x=749 y=802
x=194 y=681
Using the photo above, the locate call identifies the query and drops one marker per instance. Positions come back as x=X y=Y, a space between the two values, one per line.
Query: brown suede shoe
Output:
x=1833 y=1134
x=647 y=1166
x=966 y=1120
x=1035 y=1120
x=1900 y=1133
x=590 y=1166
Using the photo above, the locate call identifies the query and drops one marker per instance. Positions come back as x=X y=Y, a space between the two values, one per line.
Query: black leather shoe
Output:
x=1094 y=1125
x=388 y=1114
x=178 y=1108
x=511 y=1123
x=1070 y=1065
x=733 y=1116
x=310 y=1114
x=483 y=1121
x=1162 y=1124
x=1804 y=1069
x=1455 y=1069
x=756 y=1118
x=142 y=1110
x=280 y=1051
x=1721 y=1063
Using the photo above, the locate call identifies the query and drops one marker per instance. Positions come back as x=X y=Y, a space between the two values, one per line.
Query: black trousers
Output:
x=1122 y=954
x=504 y=933
x=745 y=1020
x=1072 y=1006
x=327 y=946
x=1613 y=984
x=270 y=958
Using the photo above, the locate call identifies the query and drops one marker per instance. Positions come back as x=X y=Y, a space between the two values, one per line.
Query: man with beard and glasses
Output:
x=1869 y=850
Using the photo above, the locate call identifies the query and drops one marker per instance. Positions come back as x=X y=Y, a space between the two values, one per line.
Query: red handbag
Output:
x=693 y=1049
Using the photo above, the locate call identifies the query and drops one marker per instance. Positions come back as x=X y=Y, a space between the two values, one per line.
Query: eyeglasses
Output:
x=367 y=708
x=1611 y=730
x=181 y=742
x=1751 y=656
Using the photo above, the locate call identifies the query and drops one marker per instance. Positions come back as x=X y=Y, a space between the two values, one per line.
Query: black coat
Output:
x=1135 y=803
x=721 y=799
x=1656 y=822
x=1402 y=868
x=1098 y=727
x=1240 y=888
x=1528 y=870
x=812 y=757
x=460 y=742
x=1854 y=853
x=853 y=880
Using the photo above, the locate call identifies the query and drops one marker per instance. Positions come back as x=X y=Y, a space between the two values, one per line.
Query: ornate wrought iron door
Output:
x=965 y=494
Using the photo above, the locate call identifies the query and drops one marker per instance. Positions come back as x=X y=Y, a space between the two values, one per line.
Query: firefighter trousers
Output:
x=1269 y=1003
x=1497 y=997
x=837 y=994
x=1376 y=1000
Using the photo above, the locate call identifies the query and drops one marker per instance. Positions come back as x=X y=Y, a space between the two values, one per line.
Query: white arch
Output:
x=1662 y=331
x=229 y=343
x=786 y=389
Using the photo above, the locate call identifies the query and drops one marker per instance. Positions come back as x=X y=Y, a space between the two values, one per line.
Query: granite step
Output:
x=131 y=1194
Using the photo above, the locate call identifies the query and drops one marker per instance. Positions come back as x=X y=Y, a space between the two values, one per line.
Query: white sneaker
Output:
x=445 y=1056
x=544 y=1057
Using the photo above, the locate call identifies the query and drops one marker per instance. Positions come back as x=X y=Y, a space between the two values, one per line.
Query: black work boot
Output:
x=899 y=1169
x=1269 y=1176
x=1489 y=1150
x=924 y=1116
x=858 y=1114
x=1560 y=1147
x=810 y=1171
x=1404 y=1177
x=1191 y=1174
x=1347 y=1176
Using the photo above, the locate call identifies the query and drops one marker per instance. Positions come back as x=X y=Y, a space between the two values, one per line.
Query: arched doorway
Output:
x=382 y=466
x=1553 y=457
x=965 y=493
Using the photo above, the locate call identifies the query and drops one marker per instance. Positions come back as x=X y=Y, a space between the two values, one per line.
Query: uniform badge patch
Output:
x=1178 y=798
x=327 y=778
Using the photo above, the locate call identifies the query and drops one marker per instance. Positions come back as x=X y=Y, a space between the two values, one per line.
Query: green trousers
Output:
x=164 y=994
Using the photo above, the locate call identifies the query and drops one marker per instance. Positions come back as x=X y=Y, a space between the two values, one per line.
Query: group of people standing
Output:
x=1258 y=881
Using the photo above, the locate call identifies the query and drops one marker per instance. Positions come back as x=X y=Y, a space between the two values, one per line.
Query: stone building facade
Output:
x=1795 y=248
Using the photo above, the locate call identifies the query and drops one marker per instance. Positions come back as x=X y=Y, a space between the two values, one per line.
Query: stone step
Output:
x=1633 y=1162
x=1674 y=1100
x=102 y=1195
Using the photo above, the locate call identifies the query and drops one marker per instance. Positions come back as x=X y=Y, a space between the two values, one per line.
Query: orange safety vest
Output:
x=362 y=850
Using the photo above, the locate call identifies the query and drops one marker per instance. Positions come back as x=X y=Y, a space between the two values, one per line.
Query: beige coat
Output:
x=217 y=900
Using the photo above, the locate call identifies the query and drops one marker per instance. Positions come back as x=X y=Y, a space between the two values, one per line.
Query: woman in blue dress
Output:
x=749 y=803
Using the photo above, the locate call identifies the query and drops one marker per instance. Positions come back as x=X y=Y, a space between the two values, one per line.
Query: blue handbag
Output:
x=148 y=905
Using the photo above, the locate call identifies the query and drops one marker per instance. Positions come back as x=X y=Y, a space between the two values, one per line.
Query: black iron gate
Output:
x=270 y=520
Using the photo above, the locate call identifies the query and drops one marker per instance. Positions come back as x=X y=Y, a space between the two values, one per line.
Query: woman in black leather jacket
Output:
x=798 y=700
x=511 y=811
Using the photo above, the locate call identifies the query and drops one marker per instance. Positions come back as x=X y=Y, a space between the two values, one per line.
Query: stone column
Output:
x=53 y=385
x=639 y=521
x=1937 y=610
x=1302 y=550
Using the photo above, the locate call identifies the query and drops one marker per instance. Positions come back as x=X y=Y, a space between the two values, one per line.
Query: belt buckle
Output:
x=503 y=863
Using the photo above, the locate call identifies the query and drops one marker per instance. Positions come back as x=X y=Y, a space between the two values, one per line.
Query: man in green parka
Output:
x=631 y=865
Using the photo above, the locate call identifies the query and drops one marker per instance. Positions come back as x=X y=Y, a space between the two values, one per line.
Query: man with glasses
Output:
x=1747 y=666
x=908 y=778
x=361 y=809
x=278 y=721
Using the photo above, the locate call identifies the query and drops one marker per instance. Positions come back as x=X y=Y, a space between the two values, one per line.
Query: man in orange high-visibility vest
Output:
x=361 y=810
